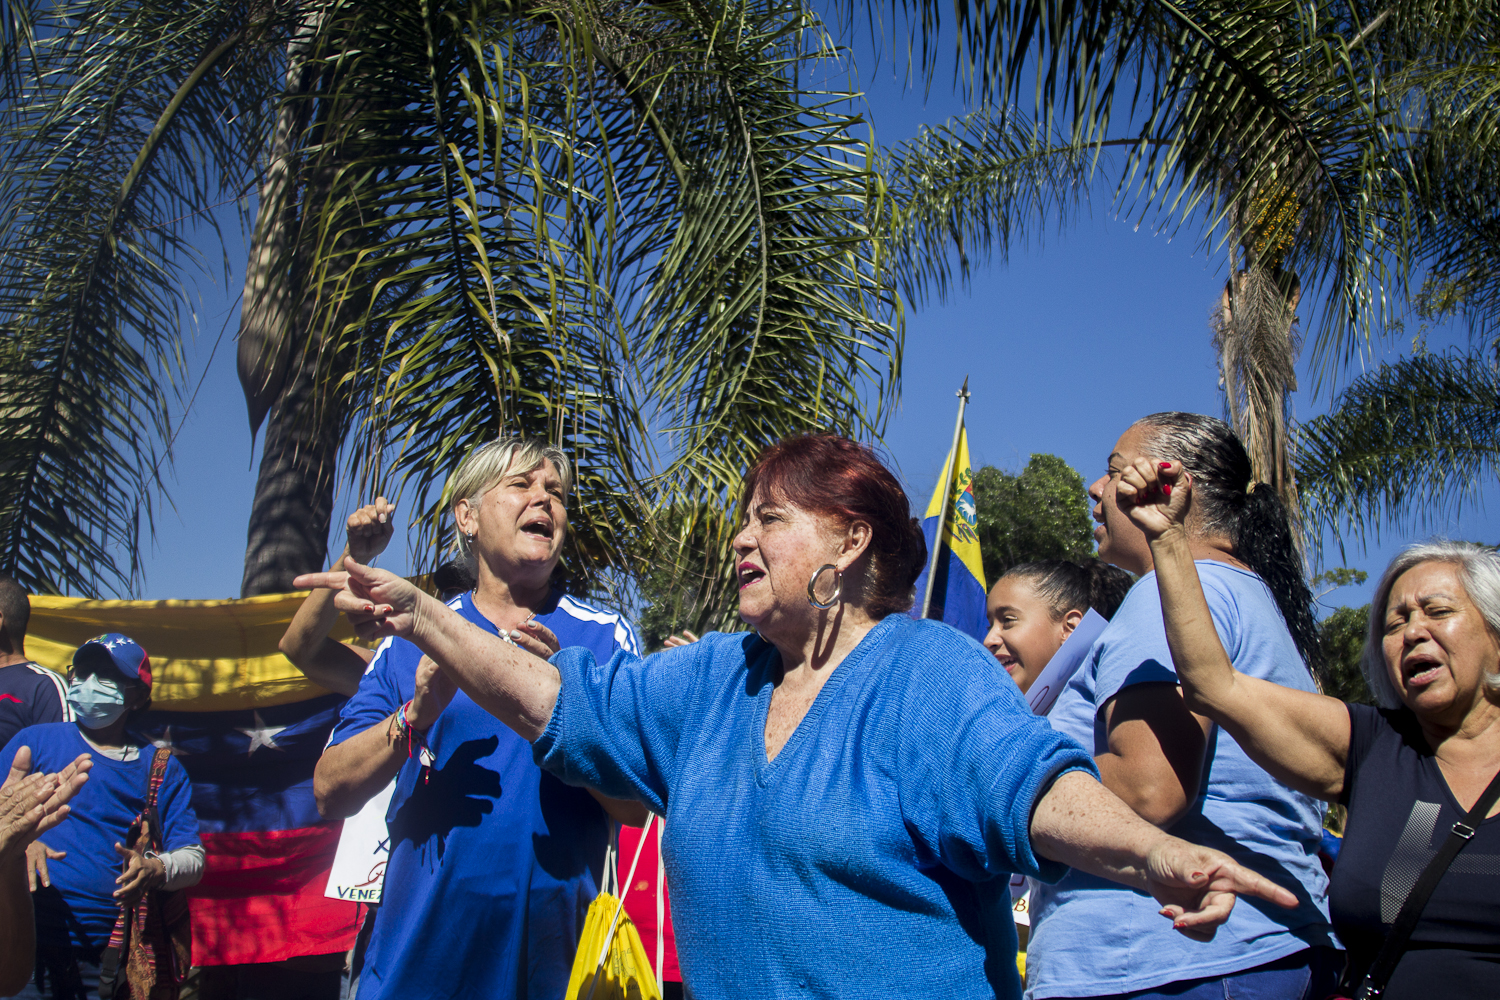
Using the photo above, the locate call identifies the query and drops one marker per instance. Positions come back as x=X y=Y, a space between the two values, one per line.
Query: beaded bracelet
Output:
x=415 y=739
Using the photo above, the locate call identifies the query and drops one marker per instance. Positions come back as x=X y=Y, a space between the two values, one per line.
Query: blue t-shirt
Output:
x=871 y=857
x=1092 y=937
x=81 y=904
x=493 y=863
x=30 y=695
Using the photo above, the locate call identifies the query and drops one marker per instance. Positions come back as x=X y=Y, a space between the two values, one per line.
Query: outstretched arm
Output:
x=1300 y=738
x=327 y=662
x=513 y=683
x=1082 y=824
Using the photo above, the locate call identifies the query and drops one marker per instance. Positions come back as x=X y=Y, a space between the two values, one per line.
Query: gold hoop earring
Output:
x=838 y=587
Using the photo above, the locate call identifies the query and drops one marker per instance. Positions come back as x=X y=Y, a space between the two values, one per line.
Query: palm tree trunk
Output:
x=278 y=363
x=1256 y=337
x=293 y=504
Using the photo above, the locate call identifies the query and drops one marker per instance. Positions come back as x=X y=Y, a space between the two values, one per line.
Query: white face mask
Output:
x=97 y=701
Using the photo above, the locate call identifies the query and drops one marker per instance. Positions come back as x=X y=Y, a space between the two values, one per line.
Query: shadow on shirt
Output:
x=460 y=793
x=1208 y=835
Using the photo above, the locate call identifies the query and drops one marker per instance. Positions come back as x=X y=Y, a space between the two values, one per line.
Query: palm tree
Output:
x=1406 y=445
x=1286 y=131
x=608 y=224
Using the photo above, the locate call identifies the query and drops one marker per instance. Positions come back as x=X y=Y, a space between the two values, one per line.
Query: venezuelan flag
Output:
x=248 y=728
x=958 y=590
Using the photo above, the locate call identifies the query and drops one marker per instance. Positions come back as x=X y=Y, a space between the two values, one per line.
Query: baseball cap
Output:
x=116 y=651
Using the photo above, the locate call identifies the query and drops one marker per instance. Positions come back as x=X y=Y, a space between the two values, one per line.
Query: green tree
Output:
x=676 y=583
x=1041 y=513
x=1342 y=635
x=586 y=222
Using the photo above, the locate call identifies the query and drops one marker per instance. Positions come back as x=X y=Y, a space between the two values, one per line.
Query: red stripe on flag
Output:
x=261 y=898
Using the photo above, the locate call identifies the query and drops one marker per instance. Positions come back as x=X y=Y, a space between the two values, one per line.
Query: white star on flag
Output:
x=262 y=735
x=164 y=742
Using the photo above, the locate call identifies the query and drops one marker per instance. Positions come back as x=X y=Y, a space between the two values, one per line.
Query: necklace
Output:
x=504 y=633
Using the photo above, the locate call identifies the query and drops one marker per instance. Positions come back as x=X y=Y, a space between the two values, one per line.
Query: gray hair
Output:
x=1479 y=572
x=491 y=462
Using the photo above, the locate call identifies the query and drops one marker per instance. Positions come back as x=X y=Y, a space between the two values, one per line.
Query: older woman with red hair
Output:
x=844 y=787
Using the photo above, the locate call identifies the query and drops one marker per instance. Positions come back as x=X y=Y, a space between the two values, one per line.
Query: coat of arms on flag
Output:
x=951 y=587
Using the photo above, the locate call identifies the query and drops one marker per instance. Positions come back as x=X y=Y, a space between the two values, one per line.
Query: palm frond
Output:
x=598 y=225
x=973 y=187
x=1405 y=446
x=122 y=133
x=1236 y=114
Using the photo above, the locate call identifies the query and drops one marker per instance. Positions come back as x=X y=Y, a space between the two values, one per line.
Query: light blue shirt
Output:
x=871 y=857
x=1091 y=937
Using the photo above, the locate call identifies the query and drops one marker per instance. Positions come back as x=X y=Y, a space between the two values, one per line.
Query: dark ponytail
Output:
x=1254 y=520
x=1069 y=586
x=1263 y=541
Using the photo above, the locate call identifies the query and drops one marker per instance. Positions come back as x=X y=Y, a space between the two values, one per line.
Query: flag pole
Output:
x=947 y=487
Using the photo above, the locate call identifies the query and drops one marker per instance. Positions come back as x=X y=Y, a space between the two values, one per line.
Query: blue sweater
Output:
x=870 y=858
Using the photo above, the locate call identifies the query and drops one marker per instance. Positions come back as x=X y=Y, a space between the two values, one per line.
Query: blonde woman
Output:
x=493 y=863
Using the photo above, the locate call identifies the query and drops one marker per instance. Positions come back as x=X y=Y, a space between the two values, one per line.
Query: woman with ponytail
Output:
x=1091 y=938
x=845 y=788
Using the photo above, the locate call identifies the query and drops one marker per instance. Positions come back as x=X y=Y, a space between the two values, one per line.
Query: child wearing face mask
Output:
x=1034 y=607
x=84 y=873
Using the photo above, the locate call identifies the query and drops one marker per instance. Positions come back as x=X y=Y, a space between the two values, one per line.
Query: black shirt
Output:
x=30 y=694
x=1400 y=812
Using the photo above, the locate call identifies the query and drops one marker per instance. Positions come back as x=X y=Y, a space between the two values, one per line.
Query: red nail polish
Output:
x=1166 y=489
x=1166 y=465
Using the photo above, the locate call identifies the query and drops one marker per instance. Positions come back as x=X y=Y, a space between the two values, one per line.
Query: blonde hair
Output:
x=491 y=462
x=1479 y=572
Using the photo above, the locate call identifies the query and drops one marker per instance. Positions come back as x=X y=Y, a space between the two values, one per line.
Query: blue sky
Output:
x=1064 y=346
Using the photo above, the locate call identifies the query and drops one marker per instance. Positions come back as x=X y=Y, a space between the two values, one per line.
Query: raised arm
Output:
x=1082 y=824
x=331 y=664
x=1300 y=738
x=513 y=683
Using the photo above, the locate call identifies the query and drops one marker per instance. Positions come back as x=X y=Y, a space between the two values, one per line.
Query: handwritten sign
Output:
x=358 y=873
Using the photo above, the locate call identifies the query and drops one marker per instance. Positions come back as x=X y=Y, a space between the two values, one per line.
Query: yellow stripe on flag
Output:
x=206 y=656
x=959 y=531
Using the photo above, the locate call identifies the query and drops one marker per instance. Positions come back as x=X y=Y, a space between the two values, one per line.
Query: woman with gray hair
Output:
x=493 y=863
x=1409 y=771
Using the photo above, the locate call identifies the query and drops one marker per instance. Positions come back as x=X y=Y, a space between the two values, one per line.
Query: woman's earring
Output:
x=471 y=539
x=838 y=587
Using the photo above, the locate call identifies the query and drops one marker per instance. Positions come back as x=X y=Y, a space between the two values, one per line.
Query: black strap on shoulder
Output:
x=1373 y=985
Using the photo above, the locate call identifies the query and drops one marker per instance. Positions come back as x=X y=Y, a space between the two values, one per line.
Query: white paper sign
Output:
x=1065 y=663
x=1041 y=697
x=364 y=847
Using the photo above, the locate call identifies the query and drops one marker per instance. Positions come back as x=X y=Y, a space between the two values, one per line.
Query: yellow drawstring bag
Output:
x=611 y=963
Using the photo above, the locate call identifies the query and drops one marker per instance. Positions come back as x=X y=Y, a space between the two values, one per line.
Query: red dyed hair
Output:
x=839 y=479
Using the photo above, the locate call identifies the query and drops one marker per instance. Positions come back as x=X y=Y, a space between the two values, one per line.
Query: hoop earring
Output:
x=838 y=587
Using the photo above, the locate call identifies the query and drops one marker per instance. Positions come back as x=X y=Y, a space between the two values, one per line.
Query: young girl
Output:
x=1034 y=607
